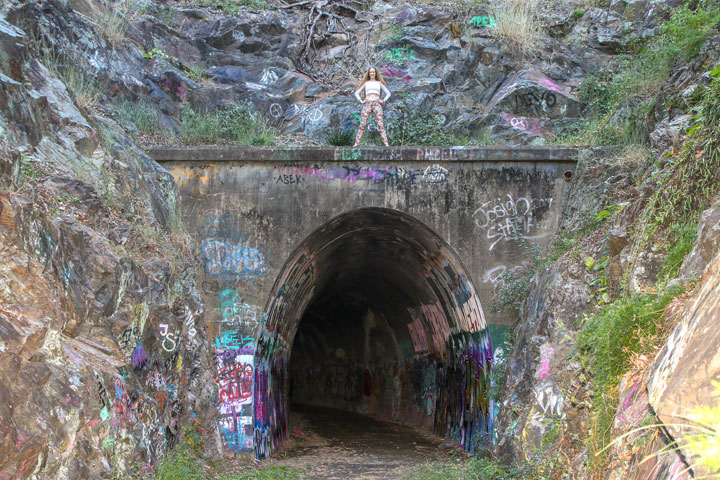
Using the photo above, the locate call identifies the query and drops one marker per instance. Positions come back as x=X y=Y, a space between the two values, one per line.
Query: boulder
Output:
x=683 y=376
x=707 y=244
x=529 y=93
x=11 y=50
x=667 y=133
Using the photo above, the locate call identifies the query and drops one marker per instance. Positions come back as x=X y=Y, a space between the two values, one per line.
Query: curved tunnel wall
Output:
x=374 y=312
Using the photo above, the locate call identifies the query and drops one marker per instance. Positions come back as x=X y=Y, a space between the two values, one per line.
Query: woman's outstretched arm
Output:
x=386 y=92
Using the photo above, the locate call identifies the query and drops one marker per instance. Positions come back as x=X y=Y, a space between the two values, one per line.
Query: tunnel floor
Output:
x=331 y=444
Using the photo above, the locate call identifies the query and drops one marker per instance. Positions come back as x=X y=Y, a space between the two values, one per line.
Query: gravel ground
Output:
x=330 y=444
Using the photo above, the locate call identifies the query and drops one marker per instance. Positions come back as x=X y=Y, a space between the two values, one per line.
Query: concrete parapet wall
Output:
x=343 y=154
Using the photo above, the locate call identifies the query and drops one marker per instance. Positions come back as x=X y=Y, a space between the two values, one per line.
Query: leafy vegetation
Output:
x=83 y=87
x=608 y=340
x=692 y=177
x=623 y=327
x=179 y=465
x=183 y=465
x=140 y=114
x=281 y=472
x=512 y=293
x=233 y=7
x=481 y=468
x=418 y=129
x=640 y=74
x=683 y=237
x=340 y=137
x=238 y=125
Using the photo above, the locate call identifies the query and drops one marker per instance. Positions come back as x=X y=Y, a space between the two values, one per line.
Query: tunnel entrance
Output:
x=374 y=313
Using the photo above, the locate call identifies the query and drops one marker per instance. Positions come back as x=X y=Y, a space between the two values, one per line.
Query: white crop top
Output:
x=371 y=87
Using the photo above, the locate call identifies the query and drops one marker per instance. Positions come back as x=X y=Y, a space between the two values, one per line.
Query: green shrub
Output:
x=140 y=114
x=609 y=339
x=178 y=465
x=238 y=125
x=681 y=238
x=233 y=7
x=626 y=326
x=340 y=137
x=512 y=293
x=641 y=74
x=480 y=468
x=280 y=472
x=423 y=129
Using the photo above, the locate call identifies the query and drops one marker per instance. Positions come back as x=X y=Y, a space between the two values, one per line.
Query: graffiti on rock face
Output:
x=483 y=21
x=533 y=126
x=308 y=113
x=396 y=73
x=549 y=398
x=169 y=339
x=547 y=100
x=546 y=354
x=399 y=54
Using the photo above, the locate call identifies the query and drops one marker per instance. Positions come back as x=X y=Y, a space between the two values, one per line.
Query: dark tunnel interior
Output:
x=353 y=340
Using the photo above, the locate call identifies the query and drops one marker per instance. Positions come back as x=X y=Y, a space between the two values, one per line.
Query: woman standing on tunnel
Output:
x=372 y=84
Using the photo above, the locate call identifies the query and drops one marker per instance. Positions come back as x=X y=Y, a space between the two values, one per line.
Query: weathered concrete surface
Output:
x=361 y=278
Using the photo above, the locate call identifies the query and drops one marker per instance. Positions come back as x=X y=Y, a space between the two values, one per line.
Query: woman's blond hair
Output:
x=378 y=77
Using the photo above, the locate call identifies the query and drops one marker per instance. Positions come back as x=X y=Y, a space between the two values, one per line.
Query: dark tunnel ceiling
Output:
x=373 y=258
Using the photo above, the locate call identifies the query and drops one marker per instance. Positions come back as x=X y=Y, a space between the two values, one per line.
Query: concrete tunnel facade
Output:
x=356 y=278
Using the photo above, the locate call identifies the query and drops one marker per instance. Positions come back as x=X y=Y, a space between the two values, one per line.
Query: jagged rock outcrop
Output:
x=100 y=353
x=543 y=383
x=436 y=62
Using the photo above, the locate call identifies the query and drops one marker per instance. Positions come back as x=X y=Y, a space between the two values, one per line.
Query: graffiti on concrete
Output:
x=226 y=258
x=202 y=175
x=227 y=253
x=510 y=218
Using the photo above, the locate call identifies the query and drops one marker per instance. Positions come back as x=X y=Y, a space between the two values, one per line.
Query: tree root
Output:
x=324 y=20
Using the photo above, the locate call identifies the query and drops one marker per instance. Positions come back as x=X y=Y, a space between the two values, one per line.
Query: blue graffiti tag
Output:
x=226 y=258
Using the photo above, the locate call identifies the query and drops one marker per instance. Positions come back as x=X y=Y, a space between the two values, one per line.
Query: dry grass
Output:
x=634 y=158
x=83 y=86
x=517 y=24
x=111 y=19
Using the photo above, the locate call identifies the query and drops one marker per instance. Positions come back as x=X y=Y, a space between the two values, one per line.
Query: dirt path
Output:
x=331 y=444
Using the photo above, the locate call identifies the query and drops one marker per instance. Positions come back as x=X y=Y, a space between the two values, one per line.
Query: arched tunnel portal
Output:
x=375 y=313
